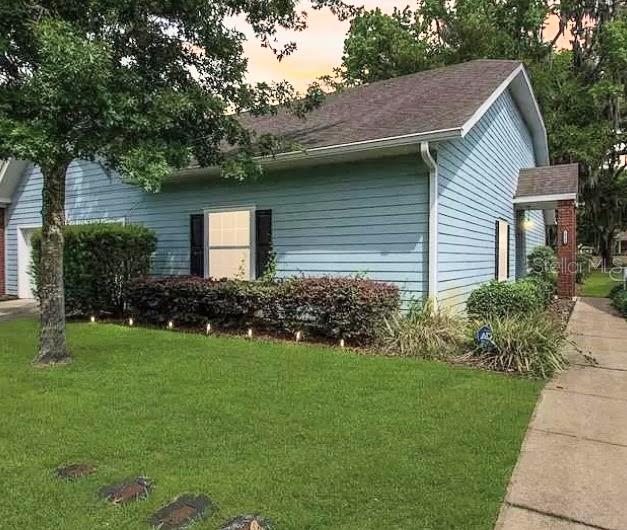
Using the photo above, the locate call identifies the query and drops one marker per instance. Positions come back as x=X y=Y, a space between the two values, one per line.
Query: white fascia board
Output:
x=391 y=141
x=490 y=101
x=341 y=152
x=522 y=91
x=546 y=198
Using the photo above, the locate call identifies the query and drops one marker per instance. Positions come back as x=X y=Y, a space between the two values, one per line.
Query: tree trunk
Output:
x=52 y=346
x=606 y=243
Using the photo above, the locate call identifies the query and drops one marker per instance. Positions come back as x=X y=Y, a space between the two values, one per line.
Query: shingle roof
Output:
x=444 y=98
x=548 y=180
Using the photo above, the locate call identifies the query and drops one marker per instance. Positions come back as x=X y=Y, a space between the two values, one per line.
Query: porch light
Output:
x=208 y=330
x=527 y=224
x=170 y=324
x=92 y=319
x=250 y=333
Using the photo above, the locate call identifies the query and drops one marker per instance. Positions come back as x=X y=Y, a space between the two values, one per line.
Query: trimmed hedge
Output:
x=99 y=259
x=618 y=296
x=502 y=299
x=325 y=307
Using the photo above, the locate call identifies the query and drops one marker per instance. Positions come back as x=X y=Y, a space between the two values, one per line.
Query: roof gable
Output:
x=432 y=105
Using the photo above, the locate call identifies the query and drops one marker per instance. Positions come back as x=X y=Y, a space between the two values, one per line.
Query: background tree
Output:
x=581 y=88
x=141 y=87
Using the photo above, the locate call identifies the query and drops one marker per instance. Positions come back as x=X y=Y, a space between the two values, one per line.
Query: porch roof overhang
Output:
x=542 y=188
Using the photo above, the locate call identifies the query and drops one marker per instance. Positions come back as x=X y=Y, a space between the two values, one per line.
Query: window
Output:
x=229 y=244
x=501 y=272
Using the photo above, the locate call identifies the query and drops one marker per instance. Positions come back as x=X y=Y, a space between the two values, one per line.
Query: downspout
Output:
x=431 y=164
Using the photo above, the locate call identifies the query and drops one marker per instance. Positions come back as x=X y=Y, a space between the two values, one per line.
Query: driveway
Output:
x=572 y=470
x=17 y=309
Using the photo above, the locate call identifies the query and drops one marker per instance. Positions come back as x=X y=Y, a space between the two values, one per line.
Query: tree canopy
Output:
x=141 y=86
x=581 y=87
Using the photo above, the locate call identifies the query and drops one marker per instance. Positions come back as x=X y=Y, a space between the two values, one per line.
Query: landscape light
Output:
x=299 y=336
x=342 y=343
x=92 y=319
x=250 y=333
x=208 y=328
x=170 y=324
x=131 y=321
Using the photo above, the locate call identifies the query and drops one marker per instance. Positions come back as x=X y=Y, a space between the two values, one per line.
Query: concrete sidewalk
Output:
x=17 y=309
x=572 y=470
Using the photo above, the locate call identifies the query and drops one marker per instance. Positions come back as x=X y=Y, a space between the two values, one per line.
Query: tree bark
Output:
x=52 y=345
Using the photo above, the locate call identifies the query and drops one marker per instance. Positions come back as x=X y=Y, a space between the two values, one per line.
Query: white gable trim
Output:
x=520 y=85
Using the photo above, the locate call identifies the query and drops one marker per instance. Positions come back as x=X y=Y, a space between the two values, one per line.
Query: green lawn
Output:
x=311 y=437
x=598 y=284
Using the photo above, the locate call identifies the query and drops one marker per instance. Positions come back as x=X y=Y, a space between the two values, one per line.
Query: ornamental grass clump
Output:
x=424 y=332
x=529 y=345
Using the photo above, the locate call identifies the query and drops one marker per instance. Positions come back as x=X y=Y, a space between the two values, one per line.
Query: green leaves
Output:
x=143 y=87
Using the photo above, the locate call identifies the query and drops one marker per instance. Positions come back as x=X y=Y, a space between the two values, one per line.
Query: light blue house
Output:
x=410 y=180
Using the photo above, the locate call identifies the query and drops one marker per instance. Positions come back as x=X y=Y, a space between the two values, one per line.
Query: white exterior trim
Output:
x=545 y=198
x=490 y=101
x=428 y=159
x=23 y=260
x=252 y=273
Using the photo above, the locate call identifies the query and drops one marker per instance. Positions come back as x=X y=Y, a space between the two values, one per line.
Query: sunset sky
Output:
x=319 y=47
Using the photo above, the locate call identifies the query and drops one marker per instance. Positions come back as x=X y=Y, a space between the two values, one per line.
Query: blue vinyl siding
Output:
x=369 y=217
x=477 y=180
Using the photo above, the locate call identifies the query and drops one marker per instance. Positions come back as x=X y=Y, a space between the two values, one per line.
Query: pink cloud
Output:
x=319 y=48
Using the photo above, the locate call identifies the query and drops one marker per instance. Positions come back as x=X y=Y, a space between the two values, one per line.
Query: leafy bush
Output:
x=618 y=295
x=500 y=299
x=99 y=260
x=322 y=307
x=542 y=263
x=525 y=344
x=584 y=267
x=424 y=332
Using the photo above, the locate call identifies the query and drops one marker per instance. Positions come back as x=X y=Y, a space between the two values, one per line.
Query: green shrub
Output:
x=542 y=263
x=618 y=296
x=99 y=259
x=500 y=299
x=424 y=332
x=330 y=308
x=525 y=344
x=584 y=267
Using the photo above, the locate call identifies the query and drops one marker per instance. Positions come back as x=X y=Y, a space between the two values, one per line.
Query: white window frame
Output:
x=252 y=240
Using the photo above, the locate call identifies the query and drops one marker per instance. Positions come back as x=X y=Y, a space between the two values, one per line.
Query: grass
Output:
x=311 y=437
x=598 y=284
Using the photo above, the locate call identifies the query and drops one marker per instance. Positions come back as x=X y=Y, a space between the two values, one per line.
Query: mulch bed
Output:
x=74 y=471
x=247 y=522
x=183 y=511
x=127 y=491
x=562 y=309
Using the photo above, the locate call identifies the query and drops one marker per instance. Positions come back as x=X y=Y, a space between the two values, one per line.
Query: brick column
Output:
x=566 y=248
x=2 y=255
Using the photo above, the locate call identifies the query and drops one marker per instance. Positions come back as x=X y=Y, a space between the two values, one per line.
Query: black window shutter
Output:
x=197 y=246
x=263 y=232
